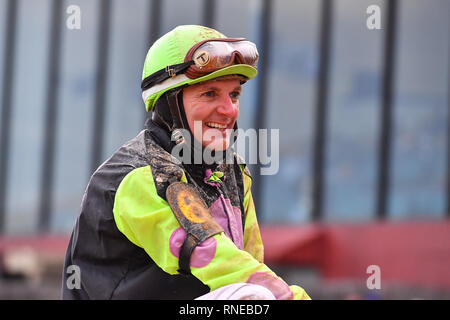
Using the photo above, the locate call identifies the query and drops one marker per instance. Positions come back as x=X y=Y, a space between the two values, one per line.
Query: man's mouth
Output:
x=216 y=125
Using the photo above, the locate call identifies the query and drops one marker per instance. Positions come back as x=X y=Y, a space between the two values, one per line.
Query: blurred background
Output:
x=363 y=119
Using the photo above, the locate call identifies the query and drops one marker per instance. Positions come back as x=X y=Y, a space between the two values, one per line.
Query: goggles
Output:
x=214 y=54
x=208 y=56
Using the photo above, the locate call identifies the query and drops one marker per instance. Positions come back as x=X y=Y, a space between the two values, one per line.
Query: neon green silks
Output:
x=147 y=220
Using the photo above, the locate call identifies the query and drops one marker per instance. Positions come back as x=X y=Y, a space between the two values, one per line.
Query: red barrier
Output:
x=53 y=244
x=414 y=253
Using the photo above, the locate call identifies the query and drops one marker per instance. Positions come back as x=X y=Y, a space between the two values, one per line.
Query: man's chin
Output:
x=217 y=145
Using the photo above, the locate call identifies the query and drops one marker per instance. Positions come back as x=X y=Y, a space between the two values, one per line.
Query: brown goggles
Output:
x=215 y=54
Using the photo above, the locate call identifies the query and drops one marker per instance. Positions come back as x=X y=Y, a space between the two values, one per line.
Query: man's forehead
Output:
x=219 y=84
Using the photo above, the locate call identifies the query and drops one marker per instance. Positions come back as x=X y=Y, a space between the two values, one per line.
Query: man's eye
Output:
x=208 y=94
x=235 y=95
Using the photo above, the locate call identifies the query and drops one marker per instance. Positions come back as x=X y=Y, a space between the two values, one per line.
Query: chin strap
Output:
x=173 y=98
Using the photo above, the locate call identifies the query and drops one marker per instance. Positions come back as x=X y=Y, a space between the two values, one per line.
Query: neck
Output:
x=197 y=154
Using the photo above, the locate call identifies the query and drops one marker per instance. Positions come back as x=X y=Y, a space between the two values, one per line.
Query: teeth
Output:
x=216 y=125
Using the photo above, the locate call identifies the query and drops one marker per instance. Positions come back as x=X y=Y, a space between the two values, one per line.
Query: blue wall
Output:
x=418 y=183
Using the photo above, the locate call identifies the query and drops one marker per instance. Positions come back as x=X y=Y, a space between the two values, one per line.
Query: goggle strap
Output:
x=164 y=74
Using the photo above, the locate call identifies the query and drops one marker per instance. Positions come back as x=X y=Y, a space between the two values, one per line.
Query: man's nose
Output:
x=226 y=107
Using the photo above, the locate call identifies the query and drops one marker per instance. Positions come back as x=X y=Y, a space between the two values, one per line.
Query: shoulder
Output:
x=164 y=167
x=143 y=159
x=125 y=159
x=139 y=152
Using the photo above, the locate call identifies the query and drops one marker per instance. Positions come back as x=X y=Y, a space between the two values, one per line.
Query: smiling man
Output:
x=154 y=223
x=212 y=109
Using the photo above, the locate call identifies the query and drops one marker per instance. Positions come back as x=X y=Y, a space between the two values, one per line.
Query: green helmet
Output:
x=171 y=49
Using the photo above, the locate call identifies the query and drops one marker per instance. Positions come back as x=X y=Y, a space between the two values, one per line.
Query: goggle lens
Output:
x=216 y=54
